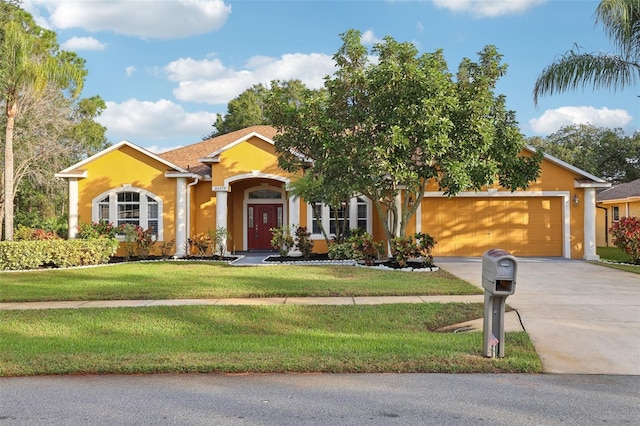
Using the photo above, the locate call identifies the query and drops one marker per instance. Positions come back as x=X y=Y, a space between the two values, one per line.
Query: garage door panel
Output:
x=527 y=226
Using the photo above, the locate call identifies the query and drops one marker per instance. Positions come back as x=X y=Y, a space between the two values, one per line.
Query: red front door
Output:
x=261 y=218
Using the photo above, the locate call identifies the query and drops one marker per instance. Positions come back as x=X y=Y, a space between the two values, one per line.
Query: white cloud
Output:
x=134 y=119
x=369 y=38
x=83 y=43
x=210 y=81
x=487 y=8
x=143 y=18
x=130 y=70
x=553 y=119
x=192 y=69
x=157 y=149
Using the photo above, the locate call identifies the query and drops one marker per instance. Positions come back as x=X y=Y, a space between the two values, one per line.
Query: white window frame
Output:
x=113 y=208
x=353 y=217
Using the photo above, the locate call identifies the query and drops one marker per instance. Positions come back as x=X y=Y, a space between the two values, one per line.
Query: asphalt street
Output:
x=321 y=399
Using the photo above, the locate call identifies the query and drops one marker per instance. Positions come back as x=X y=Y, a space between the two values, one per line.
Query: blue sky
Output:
x=166 y=67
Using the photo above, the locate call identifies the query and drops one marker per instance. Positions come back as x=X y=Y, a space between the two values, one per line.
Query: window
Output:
x=265 y=194
x=616 y=213
x=336 y=223
x=315 y=216
x=359 y=216
x=129 y=205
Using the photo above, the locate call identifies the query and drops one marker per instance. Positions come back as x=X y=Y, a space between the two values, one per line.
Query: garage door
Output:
x=469 y=226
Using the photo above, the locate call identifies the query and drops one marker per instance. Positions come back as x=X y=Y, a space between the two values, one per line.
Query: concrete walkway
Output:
x=369 y=300
x=583 y=318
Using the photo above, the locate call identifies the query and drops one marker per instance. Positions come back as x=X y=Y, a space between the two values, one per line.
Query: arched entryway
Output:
x=264 y=208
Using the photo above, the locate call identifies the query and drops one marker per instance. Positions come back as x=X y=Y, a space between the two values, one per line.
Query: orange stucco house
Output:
x=233 y=181
x=614 y=203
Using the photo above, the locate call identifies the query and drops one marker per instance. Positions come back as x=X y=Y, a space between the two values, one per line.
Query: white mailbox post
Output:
x=499 y=270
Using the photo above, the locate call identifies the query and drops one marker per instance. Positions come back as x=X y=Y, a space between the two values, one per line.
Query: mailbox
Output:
x=499 y=269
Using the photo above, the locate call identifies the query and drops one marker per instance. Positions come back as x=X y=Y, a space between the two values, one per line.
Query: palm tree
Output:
x=621 y=21
x=30 y=62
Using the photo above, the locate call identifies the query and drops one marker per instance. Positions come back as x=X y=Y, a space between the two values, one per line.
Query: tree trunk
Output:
x=8 y=172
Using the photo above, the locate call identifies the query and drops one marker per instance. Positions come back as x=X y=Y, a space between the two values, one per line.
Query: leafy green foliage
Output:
x=398 y=122
x=17 y=255
x=575 y=69
x=101 y=229
x=303 y=241
x=418 y=245
x=32 y=68
x=248 y=109
x=220 y=237
x=282 y=240
x=626 y=236
x=34 y=234
x=365 y=248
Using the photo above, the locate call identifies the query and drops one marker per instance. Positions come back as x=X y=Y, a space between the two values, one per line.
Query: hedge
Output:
x=19 y=255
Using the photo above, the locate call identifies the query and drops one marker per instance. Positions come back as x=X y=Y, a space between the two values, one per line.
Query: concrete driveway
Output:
x=583 y=318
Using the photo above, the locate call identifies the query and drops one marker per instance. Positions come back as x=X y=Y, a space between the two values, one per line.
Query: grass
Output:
x=614 y=254
x=208 y=280
x=353 y=339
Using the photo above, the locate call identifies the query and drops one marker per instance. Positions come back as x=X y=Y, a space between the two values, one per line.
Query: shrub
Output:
x=166 y=247
x=417 y=245
x=341 y=251
x=102 y=229
x=626 y=236
x=201 y=241
x=17 y=255
x=304 y=243
x=365 y=248
x=220 y=238
x=282 y=239
x=145 y=240
x=130 y=232
x=34 y=234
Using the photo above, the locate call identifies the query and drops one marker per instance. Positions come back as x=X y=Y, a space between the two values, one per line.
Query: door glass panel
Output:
x=279 y=217
x=250 y=217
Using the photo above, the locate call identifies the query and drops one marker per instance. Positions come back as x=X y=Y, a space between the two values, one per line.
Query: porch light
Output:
x=410 y=201
x=576 y=200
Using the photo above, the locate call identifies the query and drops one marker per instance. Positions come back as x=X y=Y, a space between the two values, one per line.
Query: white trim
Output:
x=566 y=207
x=277 y=201
x=113 y=207
x=116 y=147
x=590 y=224
x=73 y=207
x=254 y=175
x=221 y=213
x=82 y=174
x=181 y=217
x=212 y=157
x=353 y=216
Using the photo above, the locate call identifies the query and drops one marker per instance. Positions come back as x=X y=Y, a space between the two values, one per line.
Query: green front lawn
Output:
x=346 y=339
x=614 y=254
x=281 y=338
x=208 y=280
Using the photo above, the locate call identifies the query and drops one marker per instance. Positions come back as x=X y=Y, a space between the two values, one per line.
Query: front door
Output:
x=261 y=218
